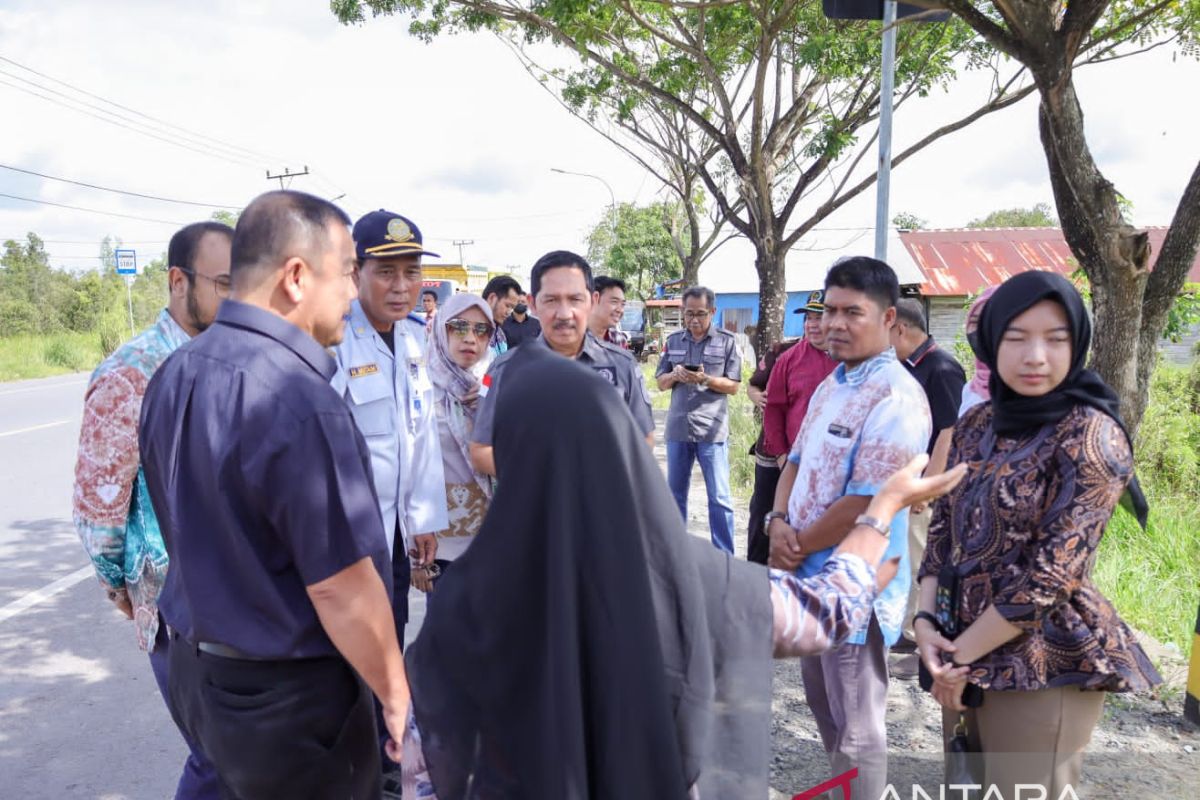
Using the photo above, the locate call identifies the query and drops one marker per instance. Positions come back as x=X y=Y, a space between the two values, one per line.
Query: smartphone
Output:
x=692 y=367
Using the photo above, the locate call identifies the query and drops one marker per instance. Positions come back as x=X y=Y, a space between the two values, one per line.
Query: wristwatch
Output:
x=771 y=517
x=875 y=523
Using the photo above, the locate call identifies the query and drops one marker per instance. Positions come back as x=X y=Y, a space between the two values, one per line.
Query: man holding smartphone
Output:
x=701 y=367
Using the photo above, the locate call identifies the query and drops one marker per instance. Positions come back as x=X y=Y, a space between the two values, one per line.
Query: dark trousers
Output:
x=275 y=729
x=199 y=779
x=761 y=502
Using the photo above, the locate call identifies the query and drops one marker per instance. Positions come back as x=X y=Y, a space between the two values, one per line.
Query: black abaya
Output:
x=581 y=646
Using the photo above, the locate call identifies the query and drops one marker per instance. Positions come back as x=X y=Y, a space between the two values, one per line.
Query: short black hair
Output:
x=181 y=251
x=868 y=275
x=276 y=222
x=500 y=286
x=910 y=311
x=557 y=259
x=429 y=293
x=702 y=292
x=603 y=283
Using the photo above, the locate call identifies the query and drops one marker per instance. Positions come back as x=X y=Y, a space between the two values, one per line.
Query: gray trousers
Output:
x=846 y=689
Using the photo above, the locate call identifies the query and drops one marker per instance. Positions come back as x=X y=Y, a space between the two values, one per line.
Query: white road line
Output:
x=43 y=388
x=35 y=427
x=45 y=593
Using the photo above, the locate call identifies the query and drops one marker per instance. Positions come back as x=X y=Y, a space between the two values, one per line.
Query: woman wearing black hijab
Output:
x=585 y=646
x=1011 y=550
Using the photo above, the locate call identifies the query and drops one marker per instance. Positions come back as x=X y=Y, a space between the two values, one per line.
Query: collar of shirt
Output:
x=859 y=375
x=171 y=331
x=358 y=325
x=261 y=321
x=921 y=352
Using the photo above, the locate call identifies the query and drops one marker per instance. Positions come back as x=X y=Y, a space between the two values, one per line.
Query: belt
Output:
x=215 y=648
x=225 y=651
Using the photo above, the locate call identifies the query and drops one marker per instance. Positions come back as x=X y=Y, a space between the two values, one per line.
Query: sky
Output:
x=454 y=134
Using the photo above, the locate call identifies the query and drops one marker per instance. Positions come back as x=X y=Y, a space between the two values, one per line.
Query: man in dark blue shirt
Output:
x=262 y=486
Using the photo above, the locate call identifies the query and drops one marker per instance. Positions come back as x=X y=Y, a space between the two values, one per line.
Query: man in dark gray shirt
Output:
x=563 y=297
x=276 y=597
x=701 y=367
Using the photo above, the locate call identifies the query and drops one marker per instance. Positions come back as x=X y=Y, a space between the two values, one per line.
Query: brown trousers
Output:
x=1031 y=738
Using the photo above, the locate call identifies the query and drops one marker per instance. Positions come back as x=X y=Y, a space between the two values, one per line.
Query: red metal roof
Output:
x=963 y=261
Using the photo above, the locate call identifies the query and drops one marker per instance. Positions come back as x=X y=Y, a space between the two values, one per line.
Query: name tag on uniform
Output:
x=364 y=370
x=840 y=431
x=609 y=374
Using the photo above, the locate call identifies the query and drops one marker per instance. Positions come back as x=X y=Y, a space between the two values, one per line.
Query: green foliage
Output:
x=906 y=221
x=1039 y=216
x=1165 y=558
x=1184 y=314
x=638 y=248
x=47 y=304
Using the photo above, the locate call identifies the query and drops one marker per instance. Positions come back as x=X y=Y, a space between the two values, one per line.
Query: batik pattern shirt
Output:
x=1021 y=531
x=862 y=425
x=111 y=503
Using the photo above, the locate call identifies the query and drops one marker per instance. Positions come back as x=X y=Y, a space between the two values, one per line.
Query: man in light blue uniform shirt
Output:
x=383 y=376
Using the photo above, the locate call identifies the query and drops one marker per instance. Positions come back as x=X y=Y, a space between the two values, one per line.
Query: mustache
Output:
x=562 y=326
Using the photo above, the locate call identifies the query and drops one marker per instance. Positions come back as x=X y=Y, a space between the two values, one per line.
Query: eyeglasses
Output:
x=222 y=284
x=460 y=327
x=695 y=315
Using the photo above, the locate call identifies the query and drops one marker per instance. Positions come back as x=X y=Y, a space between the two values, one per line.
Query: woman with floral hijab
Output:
x=458 y=356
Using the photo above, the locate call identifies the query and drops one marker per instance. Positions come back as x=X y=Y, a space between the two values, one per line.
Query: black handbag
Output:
x=964 y=762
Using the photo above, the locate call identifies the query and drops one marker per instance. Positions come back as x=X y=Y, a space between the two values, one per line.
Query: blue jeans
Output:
x=714 y=466
x=199 y=778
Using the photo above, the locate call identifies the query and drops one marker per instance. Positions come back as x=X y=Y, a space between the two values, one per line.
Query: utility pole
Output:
x=286 y=174
x=460 y=243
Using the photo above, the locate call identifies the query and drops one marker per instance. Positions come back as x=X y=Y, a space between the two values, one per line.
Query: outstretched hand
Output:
x=906 y=486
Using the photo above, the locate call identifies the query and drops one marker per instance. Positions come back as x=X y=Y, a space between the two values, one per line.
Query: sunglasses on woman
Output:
x=459 y=328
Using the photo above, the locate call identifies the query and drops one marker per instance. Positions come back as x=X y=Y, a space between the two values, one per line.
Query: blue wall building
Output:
x=736 y=310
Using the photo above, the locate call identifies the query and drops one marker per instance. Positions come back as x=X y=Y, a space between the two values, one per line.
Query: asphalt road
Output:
x=80 y=714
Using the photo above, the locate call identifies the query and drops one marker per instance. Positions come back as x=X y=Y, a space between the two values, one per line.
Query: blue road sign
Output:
x=126 y=262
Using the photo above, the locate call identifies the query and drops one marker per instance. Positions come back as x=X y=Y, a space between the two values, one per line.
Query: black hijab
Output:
x=585 y=646
x=1014 y=413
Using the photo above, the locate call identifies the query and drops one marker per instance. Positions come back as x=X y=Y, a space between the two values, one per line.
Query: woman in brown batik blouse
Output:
x=1011 y=550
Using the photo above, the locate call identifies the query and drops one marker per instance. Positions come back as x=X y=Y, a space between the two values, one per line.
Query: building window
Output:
x=735 y=320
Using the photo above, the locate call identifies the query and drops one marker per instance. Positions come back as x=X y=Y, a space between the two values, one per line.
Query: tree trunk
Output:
x=772 y=293
x=691 y=268
x=1112 y=253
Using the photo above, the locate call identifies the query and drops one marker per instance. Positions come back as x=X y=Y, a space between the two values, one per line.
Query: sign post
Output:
x=127 y=267
x=888 y=11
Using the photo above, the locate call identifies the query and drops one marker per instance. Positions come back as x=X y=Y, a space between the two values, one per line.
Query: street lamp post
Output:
x=612 y=197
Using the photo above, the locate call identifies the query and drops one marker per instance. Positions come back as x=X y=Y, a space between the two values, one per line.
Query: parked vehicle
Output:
x=633 y=323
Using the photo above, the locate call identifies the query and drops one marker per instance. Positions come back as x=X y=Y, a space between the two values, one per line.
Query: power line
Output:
x=94 y=210
x=105 y=100
x=95 y=242
x=117 y=191
x=119 y=124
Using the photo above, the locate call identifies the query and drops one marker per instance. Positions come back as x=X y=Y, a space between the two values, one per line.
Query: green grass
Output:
x=23 y=357
x=1153 y=576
